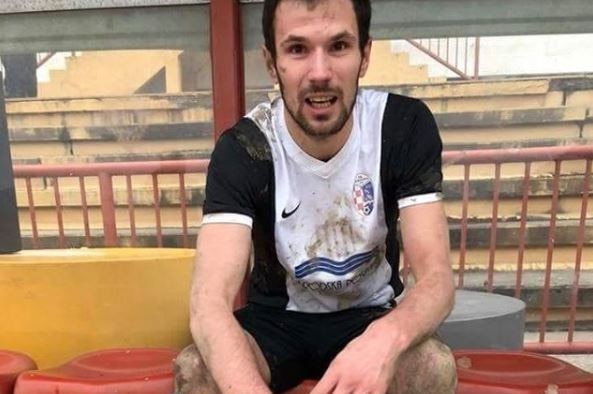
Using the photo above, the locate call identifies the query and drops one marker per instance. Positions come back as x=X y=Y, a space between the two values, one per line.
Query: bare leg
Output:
x=427 y=368
x=192 y=376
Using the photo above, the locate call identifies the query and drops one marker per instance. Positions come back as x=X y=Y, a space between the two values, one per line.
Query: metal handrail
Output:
x=497 y=157
x=453 y=63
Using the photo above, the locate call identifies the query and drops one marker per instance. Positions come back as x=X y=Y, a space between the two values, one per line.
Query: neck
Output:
x=322 y=147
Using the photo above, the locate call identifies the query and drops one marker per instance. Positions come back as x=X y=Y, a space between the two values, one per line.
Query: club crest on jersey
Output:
x=363 y=194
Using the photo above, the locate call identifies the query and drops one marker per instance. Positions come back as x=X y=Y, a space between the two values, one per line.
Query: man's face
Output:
x=318 y=64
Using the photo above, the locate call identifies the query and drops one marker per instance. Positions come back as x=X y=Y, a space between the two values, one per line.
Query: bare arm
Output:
x=425 y=305
x=368 y=362
x=222 y=259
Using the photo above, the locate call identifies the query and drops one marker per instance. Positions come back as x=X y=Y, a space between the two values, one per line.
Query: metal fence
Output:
x=460 y=55
x=555 y=156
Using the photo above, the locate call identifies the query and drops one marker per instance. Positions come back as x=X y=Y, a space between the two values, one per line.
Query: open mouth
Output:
x=321 y=102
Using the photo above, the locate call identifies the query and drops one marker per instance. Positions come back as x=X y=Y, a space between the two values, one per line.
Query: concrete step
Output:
x=111 y=117
x=478 y=234
x=136 y=102
x=469 y=130
x=64 y=145
x=462 y=96
x=472 y=144
x=117 y=133
x=532 y=284
x=145 y=237
x=178 y=154
x=479 y=209
x=480 y=192
x=514 y=126
x=456 y=96
x=392 y=66
x=476 y=255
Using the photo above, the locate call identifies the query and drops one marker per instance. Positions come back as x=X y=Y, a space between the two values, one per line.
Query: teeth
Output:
x=320 y=99
x=321 y=102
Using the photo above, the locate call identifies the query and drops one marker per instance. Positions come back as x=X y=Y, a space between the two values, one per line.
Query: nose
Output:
x=321 y=69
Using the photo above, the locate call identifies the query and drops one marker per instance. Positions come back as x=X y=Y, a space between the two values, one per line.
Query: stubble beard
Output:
x=329 y=129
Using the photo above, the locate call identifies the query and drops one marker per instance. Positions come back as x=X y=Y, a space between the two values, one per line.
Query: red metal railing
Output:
x=461 y=55
x=105 y=172
x=528 y=156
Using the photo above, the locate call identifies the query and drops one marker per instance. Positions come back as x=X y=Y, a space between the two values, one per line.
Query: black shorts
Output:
x=300 y=345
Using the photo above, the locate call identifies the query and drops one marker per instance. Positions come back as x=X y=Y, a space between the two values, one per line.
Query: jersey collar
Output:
x=307 y=162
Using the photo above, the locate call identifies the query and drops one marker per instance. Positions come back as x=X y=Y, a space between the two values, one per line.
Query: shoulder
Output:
x=398 y=113
x=404 y=117
x=247 y=138
x=401 y=109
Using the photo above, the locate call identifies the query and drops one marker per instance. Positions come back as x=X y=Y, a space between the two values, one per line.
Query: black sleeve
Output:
x=238 y=173
x=416 y=148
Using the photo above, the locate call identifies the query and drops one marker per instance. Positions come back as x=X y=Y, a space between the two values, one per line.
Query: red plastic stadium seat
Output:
x=11 y=365
x=517 y=372
x=123 y=371
x=304 y=387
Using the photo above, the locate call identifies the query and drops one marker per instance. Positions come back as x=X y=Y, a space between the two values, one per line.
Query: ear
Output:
x=366 y=57
x=270 y=63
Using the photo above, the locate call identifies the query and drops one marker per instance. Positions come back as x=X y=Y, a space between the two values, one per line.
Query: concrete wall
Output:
x=515 y=55
x=104 y=73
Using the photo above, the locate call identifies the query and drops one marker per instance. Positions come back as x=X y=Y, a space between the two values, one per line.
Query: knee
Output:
x=428 y=368
x=443 y=362
x=191 y=374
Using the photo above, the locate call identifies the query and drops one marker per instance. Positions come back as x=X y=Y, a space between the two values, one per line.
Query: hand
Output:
x=366 y=365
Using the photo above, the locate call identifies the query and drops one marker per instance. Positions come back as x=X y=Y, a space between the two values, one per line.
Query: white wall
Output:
x=519 y=55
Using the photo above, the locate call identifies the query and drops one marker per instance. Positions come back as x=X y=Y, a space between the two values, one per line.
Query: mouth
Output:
x=321 y=102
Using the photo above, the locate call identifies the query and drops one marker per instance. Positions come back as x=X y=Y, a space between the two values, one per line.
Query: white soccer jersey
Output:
x=324 y=231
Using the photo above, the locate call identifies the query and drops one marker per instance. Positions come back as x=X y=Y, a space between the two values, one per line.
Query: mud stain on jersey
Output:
x=262 y=116
x=257 y=149
x=313 y=248
x=336 y=237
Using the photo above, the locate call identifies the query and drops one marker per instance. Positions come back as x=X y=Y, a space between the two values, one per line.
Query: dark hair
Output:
x=362 y=10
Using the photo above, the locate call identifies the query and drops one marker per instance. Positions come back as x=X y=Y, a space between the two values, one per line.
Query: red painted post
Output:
x=59 y=212
x=522 y=229
x=545 y=304
x=183 y=207
x=157 y=210
x=493 y=227
x=131 y=213
x=108 y=209
x=85 y=212
x=463 y=241
x=574 y=291
x=32 y=214
x=226 y=52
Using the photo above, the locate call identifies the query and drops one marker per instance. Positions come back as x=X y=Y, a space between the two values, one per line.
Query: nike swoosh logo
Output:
x=287 y=214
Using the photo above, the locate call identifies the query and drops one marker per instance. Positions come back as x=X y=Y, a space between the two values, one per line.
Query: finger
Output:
x=326 y=385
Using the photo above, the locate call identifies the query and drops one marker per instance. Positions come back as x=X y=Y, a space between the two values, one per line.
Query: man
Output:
x=317 y=180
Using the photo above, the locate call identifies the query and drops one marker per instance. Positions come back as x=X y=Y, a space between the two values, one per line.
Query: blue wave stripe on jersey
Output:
x=330 y=266
x=333 y=271
x=338 y=263
x=340 y=269
x=334 y=263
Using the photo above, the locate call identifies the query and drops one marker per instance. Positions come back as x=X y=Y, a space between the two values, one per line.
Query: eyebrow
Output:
x=339 y=36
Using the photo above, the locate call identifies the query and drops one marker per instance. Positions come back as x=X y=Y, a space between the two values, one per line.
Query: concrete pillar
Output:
x=10 y=235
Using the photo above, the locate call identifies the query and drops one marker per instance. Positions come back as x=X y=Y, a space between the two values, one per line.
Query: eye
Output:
x=339 y=46
x=296 y=49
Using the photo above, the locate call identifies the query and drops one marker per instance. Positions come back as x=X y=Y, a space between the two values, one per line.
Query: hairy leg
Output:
x=192 y=376
x=427 y=368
